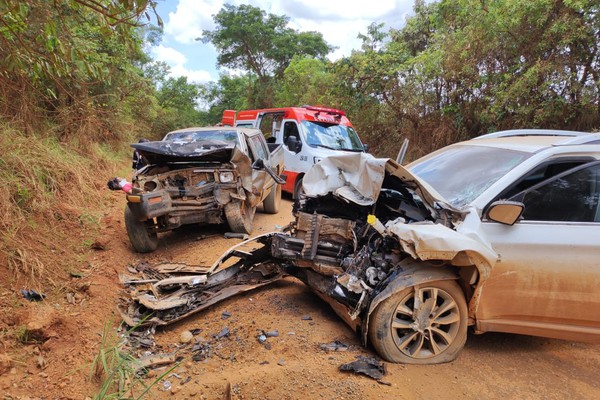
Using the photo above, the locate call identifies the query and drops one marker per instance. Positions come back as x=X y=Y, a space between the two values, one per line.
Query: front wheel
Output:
x=141 y=235
x=298 y=189
x=425 y=324
x=273 y=200
x=239 y=216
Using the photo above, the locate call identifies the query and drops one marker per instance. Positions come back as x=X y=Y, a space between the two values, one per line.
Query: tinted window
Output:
x=573 y=197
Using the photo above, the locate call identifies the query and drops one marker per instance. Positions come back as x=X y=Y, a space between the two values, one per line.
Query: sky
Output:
x=340 y=22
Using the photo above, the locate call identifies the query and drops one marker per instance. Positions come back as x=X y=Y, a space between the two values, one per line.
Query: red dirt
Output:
x=70 y=322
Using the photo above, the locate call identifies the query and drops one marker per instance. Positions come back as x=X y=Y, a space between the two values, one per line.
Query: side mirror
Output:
x=293 y=144
x=366 y=147
x=505 y=212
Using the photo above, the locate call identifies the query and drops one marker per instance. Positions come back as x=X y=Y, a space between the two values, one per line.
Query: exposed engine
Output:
x=346 y=245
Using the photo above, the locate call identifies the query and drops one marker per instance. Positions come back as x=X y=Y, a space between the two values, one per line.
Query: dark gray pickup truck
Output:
x=208 y=175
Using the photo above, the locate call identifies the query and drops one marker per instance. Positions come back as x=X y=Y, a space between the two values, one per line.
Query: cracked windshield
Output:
x=331 y=136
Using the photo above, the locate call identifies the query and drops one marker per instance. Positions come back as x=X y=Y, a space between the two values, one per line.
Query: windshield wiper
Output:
x=326 y=147
x=338 y=148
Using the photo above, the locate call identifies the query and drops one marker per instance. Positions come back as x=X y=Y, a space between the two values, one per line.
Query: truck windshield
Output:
x=212 y=136
x=462 y=173
x=331 y=136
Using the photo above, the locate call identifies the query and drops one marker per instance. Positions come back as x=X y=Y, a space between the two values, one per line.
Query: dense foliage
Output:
x=455 y=70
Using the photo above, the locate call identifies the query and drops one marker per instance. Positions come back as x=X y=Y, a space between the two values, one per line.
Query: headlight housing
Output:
x=225 y=177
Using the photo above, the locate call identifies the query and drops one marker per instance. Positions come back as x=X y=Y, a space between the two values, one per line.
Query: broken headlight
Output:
x=225 y=177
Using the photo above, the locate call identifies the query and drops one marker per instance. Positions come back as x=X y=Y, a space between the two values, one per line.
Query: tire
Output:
x=401 y=335
x=273 y=200
x=141 y=236
x=239 y=216
x=298 y=189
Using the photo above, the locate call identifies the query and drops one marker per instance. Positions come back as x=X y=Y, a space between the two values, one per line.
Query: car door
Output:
x=547 y=281
x=260 y=178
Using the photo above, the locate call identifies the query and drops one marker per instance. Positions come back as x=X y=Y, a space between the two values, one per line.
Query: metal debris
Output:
x=225 y=315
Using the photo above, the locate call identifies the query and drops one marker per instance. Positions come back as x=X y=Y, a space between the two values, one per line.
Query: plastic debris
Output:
x=368 y=366
x=225 y=315
x=235 y=235
x=224 y=332
x=334 y=346
x=306 y=318
x=272 y=334
x=32 y=295
x=262 y=338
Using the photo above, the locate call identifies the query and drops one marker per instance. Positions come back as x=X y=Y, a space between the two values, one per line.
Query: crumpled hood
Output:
x=358 y=177
x=164 y=152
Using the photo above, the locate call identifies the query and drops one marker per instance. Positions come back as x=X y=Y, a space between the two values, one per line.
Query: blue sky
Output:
x=340 y=22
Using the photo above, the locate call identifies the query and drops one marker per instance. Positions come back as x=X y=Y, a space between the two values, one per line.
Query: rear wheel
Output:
x=239 y=216
x=141 y=235
x=426 y=324
x=272 y=201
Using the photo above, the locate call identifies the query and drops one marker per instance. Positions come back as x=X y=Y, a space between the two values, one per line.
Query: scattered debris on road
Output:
x=369 y=366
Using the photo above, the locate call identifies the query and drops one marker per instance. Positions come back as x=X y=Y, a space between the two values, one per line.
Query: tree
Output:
x=305 y=81
x=74 y=61
x=230 y=92
x=248 y=39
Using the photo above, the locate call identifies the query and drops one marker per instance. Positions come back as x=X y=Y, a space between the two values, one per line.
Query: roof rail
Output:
x=530 y=132
x=590 y=138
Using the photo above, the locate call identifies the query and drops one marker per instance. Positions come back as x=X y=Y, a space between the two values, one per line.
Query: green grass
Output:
x=116 y=372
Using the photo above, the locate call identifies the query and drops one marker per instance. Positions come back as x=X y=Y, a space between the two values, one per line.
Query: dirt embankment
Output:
x=66 y=331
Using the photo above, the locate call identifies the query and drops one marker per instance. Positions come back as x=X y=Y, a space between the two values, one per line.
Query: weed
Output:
x=21 y=263
x=115 y=371
x=23 y=335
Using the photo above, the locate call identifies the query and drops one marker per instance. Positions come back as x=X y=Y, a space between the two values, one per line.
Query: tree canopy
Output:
x=250 y=40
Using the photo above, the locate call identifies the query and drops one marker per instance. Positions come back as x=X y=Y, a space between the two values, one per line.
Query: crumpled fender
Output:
x=430 y=241
x=411 y=273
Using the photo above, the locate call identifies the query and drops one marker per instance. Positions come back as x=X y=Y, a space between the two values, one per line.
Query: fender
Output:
x=411 y=273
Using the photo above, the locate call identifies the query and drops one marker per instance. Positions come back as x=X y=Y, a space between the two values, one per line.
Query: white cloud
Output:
x=339 y=10
x=339 y=21
x=168 y=55
x=176 y=60
x=190 y=18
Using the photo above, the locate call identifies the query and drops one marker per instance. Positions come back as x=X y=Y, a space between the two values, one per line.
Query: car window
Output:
x=331 y=136
x=540 y=174
x=572 y=196
x=290 y=129
x=258 y=147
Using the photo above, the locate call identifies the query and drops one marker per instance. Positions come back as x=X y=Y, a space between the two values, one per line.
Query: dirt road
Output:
x=288 y=366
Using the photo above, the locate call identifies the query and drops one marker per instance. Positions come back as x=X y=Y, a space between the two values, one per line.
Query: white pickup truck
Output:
x=208 y=175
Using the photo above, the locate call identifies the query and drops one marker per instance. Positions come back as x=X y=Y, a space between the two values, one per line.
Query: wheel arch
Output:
x=413 y=273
